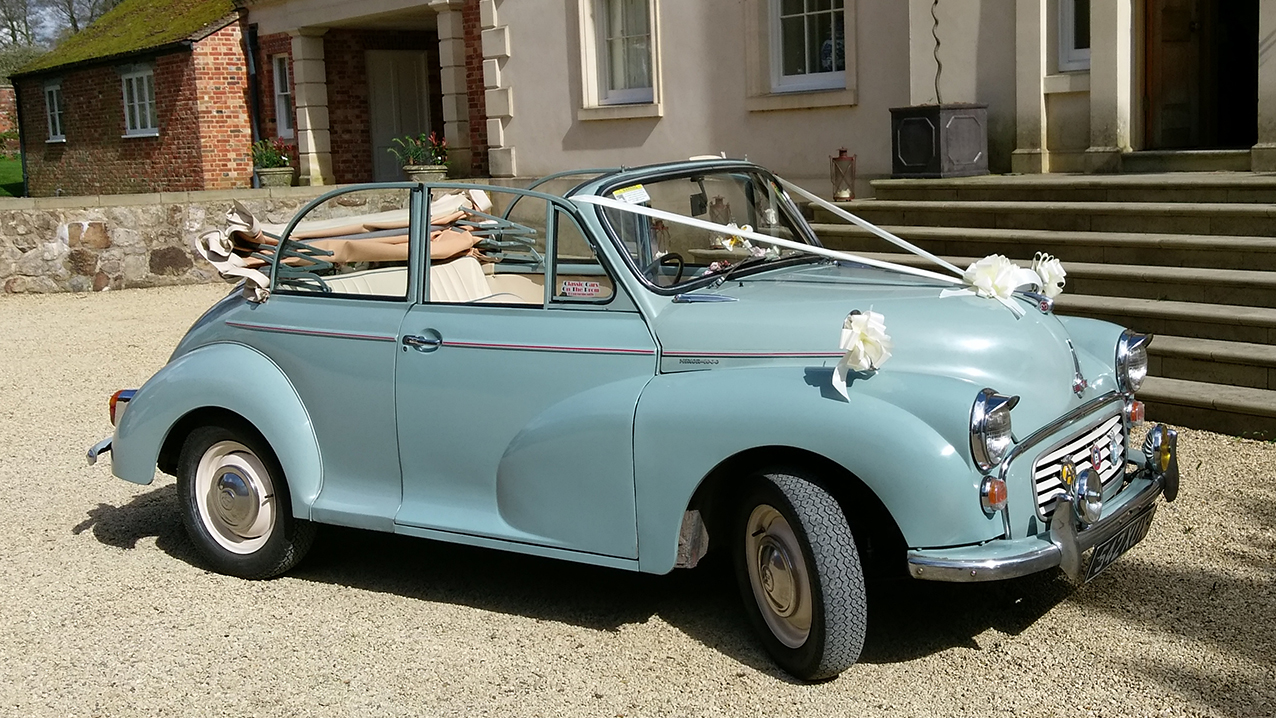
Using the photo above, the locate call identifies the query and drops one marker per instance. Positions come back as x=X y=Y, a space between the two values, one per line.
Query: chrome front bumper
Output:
x=1064 y=544
x=101 y=447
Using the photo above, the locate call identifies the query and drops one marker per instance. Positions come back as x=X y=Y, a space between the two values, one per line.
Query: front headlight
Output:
x=1132 y=360
x=990 y=437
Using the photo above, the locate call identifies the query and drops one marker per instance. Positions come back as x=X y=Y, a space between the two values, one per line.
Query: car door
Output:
x=515 y=411
x=332 y=327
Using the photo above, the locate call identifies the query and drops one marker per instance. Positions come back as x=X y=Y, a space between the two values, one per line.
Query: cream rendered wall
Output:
x=703 y=90
x=977 y=52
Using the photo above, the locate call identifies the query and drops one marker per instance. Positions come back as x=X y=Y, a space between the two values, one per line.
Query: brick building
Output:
x=168 y=95
x=152 y=97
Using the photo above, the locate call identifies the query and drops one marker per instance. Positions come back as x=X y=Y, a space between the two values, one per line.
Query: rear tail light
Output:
x=119 y=402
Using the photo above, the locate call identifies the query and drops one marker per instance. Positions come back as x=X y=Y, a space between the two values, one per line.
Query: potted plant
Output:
x=270 y=161
x=424 y=158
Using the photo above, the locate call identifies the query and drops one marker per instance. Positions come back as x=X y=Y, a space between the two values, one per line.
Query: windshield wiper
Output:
x=746 y=262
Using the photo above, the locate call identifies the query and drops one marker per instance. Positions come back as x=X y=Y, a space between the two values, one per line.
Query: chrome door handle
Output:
x=422 y=344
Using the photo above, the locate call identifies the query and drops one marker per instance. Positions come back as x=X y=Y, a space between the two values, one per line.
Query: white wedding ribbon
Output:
x=767 y=239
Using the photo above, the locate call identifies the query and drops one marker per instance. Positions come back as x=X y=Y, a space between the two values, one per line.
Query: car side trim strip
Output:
x=547 y=348
x=755 y=355
x=312 y=332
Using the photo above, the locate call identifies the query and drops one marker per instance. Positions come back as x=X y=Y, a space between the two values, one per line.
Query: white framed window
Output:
x=808 y=45
x=620 y=59
x=1074 y=35
x=53 y=110
x=140 y=116
x=283 y=97
x=624 y=51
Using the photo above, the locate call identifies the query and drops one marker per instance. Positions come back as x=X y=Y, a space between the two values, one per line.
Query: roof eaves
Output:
x=165 y=49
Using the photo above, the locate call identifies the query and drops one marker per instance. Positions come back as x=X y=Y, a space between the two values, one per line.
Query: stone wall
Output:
x=83 y=244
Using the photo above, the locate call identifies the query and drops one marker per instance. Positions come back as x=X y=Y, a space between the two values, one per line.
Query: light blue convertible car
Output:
x=632 y=369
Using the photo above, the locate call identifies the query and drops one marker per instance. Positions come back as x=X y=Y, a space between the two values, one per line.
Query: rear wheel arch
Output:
x=878 y=537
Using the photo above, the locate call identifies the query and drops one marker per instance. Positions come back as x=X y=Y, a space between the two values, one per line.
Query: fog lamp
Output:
x=992 y=494
x=1157 y=449
x=1087 y=496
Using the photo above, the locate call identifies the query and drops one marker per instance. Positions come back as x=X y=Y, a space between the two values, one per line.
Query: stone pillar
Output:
x=1111 y=80
x=1030 y=155
x=453 y=83
x=498 y=96
x=314 y=142
x=1263 y=156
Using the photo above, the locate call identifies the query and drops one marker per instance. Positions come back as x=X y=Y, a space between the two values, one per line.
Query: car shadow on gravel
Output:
x=905 y=622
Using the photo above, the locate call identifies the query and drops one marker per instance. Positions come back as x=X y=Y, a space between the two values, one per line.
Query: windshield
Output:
x=671 y=255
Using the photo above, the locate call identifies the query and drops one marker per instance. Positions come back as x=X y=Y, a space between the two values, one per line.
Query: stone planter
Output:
x=425 y=173
x=274 y=176
x=939 y=140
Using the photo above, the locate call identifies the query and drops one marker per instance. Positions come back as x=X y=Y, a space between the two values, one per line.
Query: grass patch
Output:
x=10 y=177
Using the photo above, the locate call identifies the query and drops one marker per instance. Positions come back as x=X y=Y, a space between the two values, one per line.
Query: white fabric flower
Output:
x=734 y=241
x=1051 y=272
x=997 y=277
x=867 y=347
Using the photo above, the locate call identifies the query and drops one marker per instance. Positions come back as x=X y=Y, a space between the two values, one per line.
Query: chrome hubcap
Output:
x=778 y=575
x=235 y=496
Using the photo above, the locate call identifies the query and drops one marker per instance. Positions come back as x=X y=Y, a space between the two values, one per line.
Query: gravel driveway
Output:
x=105 y=609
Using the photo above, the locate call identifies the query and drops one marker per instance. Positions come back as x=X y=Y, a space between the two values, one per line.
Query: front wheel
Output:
x=800 y=576
x=235 y=504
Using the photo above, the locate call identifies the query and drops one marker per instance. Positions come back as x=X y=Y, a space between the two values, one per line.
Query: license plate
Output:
x=1109 y=551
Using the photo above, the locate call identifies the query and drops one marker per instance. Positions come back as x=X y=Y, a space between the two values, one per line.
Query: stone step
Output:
x=1171 y=250
x=1212 y=187
x=1213 y=361
x=1233 y=219
x=1253 y=325
x=1233 y=410
x=1177 y=284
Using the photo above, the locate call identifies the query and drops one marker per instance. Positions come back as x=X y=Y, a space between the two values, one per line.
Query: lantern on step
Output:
x=842 y=175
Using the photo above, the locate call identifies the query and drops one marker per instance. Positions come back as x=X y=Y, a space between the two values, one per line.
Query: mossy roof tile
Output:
x=134 y=26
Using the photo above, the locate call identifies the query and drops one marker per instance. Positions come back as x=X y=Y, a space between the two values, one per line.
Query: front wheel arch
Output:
x=171 y=449
x=877 y=536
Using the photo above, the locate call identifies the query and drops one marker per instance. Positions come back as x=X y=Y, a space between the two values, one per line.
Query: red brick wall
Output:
x=268 y=47
x=225 y=133
x=96 y=158
x=474 y=86
x=348 y=109
x=9 y=120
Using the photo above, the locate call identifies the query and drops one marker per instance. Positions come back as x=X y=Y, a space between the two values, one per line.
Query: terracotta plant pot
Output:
x=425 y=173
x=275 y=176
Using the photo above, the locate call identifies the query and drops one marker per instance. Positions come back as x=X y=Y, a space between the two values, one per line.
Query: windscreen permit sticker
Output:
x=581 y=288
x=633 y=194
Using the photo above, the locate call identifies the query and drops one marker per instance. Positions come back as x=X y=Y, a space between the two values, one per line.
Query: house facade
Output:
x=524 y=88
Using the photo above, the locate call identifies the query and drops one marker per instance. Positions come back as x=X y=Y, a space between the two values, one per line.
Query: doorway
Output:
x=398 y=98
x=1202 y=74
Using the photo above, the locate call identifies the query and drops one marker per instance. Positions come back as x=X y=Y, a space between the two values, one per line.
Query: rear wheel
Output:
x=235 y=504
x=800 y=576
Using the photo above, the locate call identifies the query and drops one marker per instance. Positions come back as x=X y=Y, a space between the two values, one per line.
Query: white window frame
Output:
x=1071 y=58
x=284 y=119
x=835 y=80
x=54 y=111
x=598 y=102
x=762 y=58
x=141 y=117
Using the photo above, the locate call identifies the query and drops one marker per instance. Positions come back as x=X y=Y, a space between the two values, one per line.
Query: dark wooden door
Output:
x=1174 y=32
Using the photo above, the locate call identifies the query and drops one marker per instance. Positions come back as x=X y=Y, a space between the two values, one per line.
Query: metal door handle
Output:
x=422 y=344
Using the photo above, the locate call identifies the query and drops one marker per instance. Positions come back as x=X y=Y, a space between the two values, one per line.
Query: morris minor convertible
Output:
x=628 y=367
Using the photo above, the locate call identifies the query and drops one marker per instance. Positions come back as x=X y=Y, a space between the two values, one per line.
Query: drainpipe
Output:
x=254 y=88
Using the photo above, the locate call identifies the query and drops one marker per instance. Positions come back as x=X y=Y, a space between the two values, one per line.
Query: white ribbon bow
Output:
x=867 y=347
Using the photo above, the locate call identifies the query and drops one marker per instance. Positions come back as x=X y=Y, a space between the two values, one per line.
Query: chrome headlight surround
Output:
x=990 y=437
x=1132 y=360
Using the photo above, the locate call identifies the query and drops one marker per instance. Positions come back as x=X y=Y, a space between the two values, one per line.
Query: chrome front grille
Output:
x=1045 y=470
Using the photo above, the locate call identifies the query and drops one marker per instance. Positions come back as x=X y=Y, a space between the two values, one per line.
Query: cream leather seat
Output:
x=459 y=281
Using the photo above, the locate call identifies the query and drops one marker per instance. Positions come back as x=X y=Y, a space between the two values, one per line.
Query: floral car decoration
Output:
x=637 y=368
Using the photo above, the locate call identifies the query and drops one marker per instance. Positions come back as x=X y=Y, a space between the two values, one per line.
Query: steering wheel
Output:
x=663 y=259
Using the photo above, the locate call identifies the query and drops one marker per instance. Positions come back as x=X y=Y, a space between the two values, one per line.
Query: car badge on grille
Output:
x=1096 y=455
x=1114 y=445
x=1068 y=473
